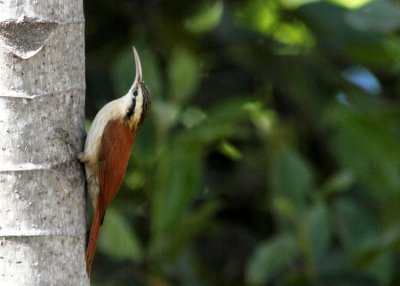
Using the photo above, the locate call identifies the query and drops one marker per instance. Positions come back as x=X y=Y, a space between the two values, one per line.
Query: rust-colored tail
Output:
x=91 y=247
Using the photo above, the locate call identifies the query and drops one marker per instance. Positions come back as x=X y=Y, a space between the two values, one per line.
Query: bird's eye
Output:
x=135 y=93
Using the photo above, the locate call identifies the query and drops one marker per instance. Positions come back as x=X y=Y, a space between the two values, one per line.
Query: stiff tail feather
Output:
x=91 y=247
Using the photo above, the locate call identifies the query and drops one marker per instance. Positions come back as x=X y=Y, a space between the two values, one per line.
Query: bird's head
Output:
x=139 y=94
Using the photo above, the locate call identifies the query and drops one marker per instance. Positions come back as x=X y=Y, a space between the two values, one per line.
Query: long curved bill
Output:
x=138 y=76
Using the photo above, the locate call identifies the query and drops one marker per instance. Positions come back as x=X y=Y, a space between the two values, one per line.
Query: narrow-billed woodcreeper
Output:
x=108 y=147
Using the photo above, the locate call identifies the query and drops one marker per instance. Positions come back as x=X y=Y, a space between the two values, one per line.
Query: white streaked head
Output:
x=131 y=108
x=138 y=96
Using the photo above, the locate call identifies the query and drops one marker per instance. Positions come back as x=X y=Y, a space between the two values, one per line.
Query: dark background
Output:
x=271 y=154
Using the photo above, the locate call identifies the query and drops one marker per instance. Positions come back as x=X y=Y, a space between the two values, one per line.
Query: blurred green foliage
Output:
x=271 y=155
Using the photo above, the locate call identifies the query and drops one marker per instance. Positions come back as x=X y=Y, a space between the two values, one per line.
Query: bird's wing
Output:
x=115 y=150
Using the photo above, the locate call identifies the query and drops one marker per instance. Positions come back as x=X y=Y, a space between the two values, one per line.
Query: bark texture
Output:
x=42 y=85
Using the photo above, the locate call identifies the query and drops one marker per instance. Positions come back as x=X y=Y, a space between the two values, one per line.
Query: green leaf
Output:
x=192 y=117
x=376 y=16
x=206 y=19
x=259 y=15
x=165 y=115
x=222 y=121
x=271 y=257
x=383 y=242
x=354 y=224
x=318 y=231
x=366 y=143
x=230 y=151
x=382 y=267
x=291 y=179
x=338 y=183
x=117 y=239
x=185 y=229
x=183 y=74
x=352 y=4
x=177 y=178
x=263 y=118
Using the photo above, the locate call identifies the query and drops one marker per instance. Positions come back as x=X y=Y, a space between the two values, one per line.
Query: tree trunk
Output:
x=42 y=85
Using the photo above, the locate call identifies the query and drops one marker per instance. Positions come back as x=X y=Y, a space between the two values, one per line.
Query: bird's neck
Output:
x=129 y=110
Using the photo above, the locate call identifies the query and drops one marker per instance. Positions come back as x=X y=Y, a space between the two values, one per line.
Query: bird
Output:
x=107 y=150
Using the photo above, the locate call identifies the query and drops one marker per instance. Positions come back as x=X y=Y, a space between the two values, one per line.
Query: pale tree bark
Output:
x=42 y=85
